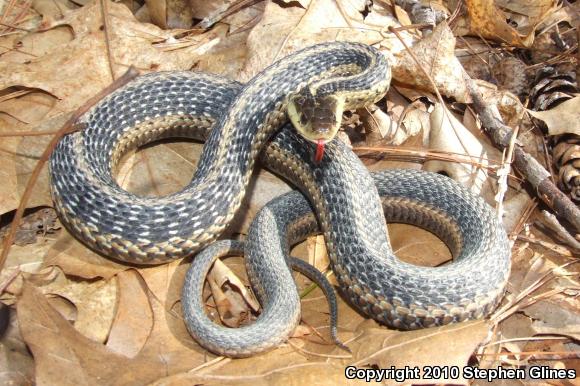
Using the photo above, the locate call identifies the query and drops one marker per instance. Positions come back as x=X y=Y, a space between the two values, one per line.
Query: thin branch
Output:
x=107 y=31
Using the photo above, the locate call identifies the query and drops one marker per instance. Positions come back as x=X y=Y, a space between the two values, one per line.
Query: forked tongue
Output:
x=319 y=150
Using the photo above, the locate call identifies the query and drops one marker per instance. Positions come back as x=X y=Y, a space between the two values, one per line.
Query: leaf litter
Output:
x=90 y=320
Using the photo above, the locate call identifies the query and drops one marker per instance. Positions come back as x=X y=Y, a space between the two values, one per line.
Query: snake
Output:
x=242 y=124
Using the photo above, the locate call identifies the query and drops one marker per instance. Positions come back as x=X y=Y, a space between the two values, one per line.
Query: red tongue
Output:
x=319 y=150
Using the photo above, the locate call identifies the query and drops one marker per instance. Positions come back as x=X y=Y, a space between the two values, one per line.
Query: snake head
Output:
x=316 y=118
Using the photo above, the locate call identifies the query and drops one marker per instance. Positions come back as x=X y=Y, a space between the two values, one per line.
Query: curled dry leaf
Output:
x=386 y=348
x=230 y=295
x=562 y=119
x=488 y=21
x=90 y=304
x=436 y=54
x=414 y=120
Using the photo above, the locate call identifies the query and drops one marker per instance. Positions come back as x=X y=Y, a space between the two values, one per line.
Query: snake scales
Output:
x=237 y=121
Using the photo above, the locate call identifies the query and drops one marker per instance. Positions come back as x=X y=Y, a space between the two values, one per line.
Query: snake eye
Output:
x=299 y=100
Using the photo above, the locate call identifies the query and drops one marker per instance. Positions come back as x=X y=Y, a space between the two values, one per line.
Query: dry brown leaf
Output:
x=555 y=317
x=527 y=13
x=134 y=317
x=283 y=30
x=413 y=121
x=131 y=42
x=13 y=279
x=437 y=56
x=562 y=119
x=74 y=258
x=16 y=361
x=233 y=300
x=386 y=348
x=488 y=21
x=448 y=134
x=52 y=9
x=516 y=326
x=62 y=355
x=417 y=246
x=94 y=302
x=316 y=374
x=90 y=304
x=317 y=253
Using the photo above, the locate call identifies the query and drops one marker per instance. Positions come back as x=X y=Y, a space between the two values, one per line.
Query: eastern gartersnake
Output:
x=150 y=230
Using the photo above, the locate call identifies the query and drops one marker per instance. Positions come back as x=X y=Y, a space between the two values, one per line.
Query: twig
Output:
x=107 y=31
x=28 y=133
x=15 y=27
x=67 y=128
x=514 y=305
x=205 y=365
x=526 y=339
x=551 y=222
x=420 y=155
x=527 y=212
x=225 y=11
x=318 y=354
x=552 y=247
x=527 y=165
x=503 y=173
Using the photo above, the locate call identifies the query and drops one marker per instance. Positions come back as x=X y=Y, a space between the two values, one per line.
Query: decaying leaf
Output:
x=56 y=345
x=562 y=119
x=437 y=56
x=488 y=21
x=40 y=222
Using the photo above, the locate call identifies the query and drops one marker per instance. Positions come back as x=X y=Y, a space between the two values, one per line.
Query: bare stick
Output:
x=527 y=165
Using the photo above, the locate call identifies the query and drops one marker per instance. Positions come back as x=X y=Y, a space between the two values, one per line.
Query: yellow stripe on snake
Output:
x=241 y=123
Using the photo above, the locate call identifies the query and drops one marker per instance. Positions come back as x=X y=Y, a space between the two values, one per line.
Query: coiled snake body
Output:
x=150 y=230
